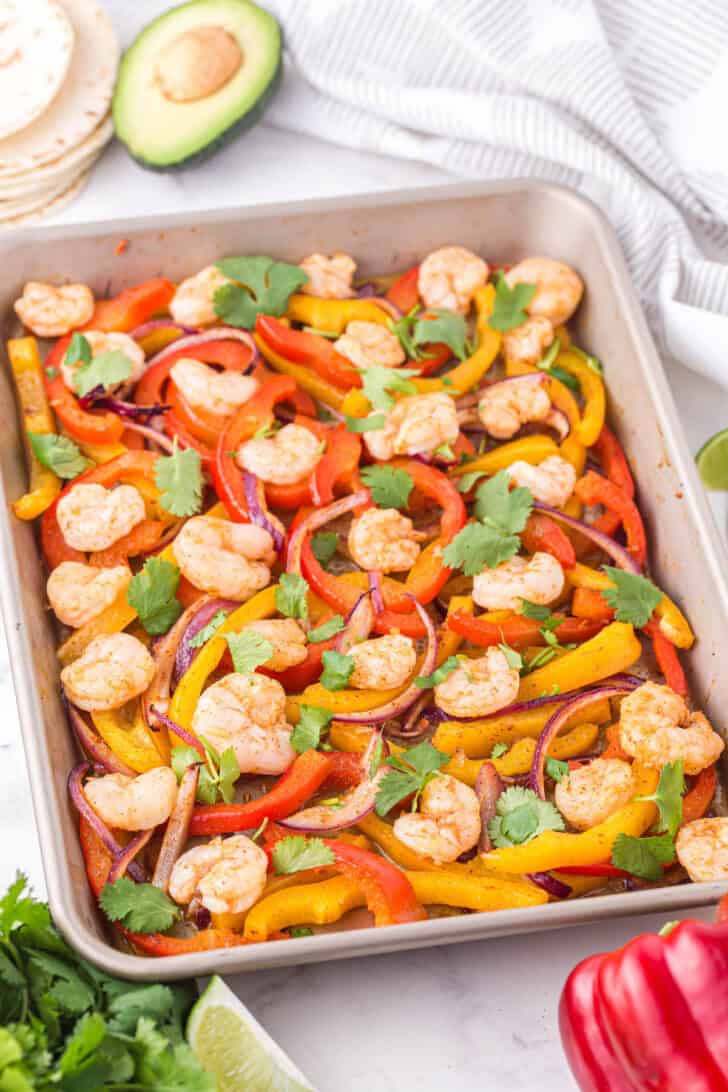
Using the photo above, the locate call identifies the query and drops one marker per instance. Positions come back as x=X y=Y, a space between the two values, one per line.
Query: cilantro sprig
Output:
x=297 y=853
x=373 y=423
x=306 y=735
x=152 y=594
x=261 y=286
x=104 y=370
x=338 y=669
x=416 y=331
x=324 y=546
x=644 y=857
x=501 y=514
x=426 y=682
x=668 y=797
x=203 y=636
x=291 y=596
x=378 y=382
x=409 y=773
x=389 y=486
x=520 y=816
x=179 y=477
x=633 y=598
x=58 y=453
x=218 y=773
x=326 y=630
x=141 y=907
x=509 y=308
x=249 y=650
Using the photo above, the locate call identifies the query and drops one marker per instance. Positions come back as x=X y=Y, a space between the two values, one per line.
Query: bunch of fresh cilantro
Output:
x=66 y=1027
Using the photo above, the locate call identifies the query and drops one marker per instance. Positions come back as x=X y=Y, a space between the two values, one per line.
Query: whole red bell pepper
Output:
x=518 y=631
x=311 y=350
x=592 y=489
x=653 y=1015
x=542 y=533
x=132 y=307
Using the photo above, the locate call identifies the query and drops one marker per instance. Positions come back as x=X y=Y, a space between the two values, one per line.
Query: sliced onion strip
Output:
x=318 y=518
x=258 y=509
x=217 y=333
x=79 y=801
x=358 y=624
x=123 y=861
x=175 y=836
x=94 y=746
x=619 y=554
x=488 y=787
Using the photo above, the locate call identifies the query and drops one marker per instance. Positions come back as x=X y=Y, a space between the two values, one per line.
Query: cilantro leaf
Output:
x=589 y=359
x=565 y=377
x=378 y=381
x=536 y=611
x=520 y=816
x=338 y=669
x=509 y=308
x=668 y=796
x=140 y=907
x=643 y=857
x=408 y=774
x=261 y=286
x=498 y=750
x=376 y=760
x=58 y=453
x=103 y=370
x=326 y=630
x=441 y=327
x=439 y=674
x=373 y=423
x=466 y=483
x=228 y=772
x=479 y=546
x=505 y=508
x=513 y=658
x=306 y=735
x=549 y=357
x=324 y=546
x=389 y=486
x=395 y=786
x=78 y=351
x=208 y=631
x=179 y=477
x=151 y=593
x=291 y=596
x=248 y=650
x=297 y=853
x=300 y=931
x=556 y=769
x=633 y=598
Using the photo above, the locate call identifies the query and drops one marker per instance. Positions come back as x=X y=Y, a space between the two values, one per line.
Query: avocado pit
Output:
x=197 y=63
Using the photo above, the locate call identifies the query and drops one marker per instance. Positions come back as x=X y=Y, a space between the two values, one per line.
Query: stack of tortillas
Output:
x=58 y=63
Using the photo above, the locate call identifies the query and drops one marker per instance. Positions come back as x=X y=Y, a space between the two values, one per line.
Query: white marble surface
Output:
x=481 y=1015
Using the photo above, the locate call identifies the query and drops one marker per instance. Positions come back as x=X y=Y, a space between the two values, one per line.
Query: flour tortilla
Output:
x=15 y=206
x=36 y=45
x=49 y=209
x=33 y=182
x=86 y=150
x=83 y=99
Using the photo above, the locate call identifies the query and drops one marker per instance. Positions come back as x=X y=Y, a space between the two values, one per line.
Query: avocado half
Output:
x=193 y=79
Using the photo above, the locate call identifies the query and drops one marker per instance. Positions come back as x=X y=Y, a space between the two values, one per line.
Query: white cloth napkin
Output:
x=621 y=99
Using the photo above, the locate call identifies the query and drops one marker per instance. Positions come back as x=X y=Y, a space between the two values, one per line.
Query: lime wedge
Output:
x=231 y=1044
x=712 y=461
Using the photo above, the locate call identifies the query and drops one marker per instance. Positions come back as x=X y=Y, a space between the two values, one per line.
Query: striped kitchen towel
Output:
x=621 y=99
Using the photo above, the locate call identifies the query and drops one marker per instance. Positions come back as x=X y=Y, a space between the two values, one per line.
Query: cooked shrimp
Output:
x=215 y=392
x=231 y=560
x=384 y=539
x=590 y=794
x=540 y=579
x=227 y=875
x=479 y=686
x=702 y=849
x=559 y=287
x=367 y=343
x=528 y=342
x=416 y=425
x=287 y=638
x=77 y=593
x=101 y=342
x=656 y=726
x=505 y=407
x=447 y=822
x=329 y=278
x=49 y=311
x=110 y=671
x=450 y=277
x=193 y=304
x=247 y=713
x=382 y=662
x=92 y=517
x=551 y=482
x=133 y=803
x=285 y=458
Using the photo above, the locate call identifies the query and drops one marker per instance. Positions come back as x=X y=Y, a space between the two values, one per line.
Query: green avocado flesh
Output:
x=164 y=133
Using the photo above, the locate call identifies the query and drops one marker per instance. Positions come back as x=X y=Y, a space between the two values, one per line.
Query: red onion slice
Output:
x=217 y=333
x=488 y=787
x=391 y=710
x=318 y=518
x=555 y=723
x=175 y=836
x=164 y=653
x=619 y=554
x=258 y=510
x=161 y=324
x=94 y=746
x=159 y=438
x=550 y=884
x=123 y=861
x=79 y=801
x=358 y=624
x=386 y=305
x=375 y=588
x=179 y=731
x=205 y=610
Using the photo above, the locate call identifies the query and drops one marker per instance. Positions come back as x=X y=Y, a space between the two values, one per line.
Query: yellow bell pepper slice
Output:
x=472 y=892
x=593 y=393
x=672 y=622
x=129 y=738
x=307 y=379
x=334 y=315
x=102 y=453
x=308 y=904
x=573 y=450
x=613 y=649
x=27 y=368
x=187 y=694
x=477 y=738
x=531 y=449
x=555 y=849
x=466 y=375
x=519 y=758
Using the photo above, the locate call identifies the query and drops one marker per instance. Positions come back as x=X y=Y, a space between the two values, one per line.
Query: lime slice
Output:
x=231 y=1044
x=712 y=461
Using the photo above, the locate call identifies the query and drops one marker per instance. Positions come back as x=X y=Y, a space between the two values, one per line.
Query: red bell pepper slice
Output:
x=519 y=632
x=337 y=466
x=303 y=778
x=232 y=355
x=542 y=533
x=699 y=796
x=311 y=350
x=297 y=678
x=592 y=489
x=615 y=466
x=129 y=465
x=667 y=659
x=93 y=427
x=428 y=575
x=132 y=307
x=590 y=603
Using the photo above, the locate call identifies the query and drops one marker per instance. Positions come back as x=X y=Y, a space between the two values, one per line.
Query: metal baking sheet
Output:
x=503 y=221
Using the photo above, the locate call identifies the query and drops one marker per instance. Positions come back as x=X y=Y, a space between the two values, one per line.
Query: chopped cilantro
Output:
x=140 y=907
x=668 y=797
x=261 y=286
x=498 y=750
x=633 y=598
x=306 y=735
x=152 y=594
x=643 y=857
x=501 y=513
x=509 y=308
x=297 y=853
x=338 y=669
x=324 y=546
x=248 y=650
x=179 y=477
x=378 y=381
x=556 y=769
x=103 y=370
x=373 y=423
x=208 y=631
x=520 y=816
x=425 y=682
x=408 y=774
x=326 y=630
x=58 y=453
x=389 y=486
x=291 y=596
